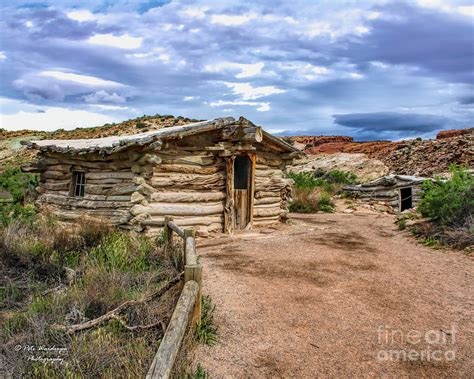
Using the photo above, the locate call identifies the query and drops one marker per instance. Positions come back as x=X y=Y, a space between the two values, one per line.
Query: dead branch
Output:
x=114 y=312
x=141 y=327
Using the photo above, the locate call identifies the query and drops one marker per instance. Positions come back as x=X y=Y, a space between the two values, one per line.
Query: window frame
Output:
x=78 y=184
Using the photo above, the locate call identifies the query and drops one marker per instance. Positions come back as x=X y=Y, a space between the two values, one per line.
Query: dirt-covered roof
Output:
x=113 y=144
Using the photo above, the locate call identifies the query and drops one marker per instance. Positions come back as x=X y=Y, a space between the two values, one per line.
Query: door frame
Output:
x=400 y=199
x=229 y=209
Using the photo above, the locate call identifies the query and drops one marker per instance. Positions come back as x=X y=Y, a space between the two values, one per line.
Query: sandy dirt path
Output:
x=337 y=295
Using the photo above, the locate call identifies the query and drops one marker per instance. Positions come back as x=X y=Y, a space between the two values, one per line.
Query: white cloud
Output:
x=467 y=10
x=81 y=15
x=2 y=56
x=156 y=54
x=29 y=24
x=443 y=6
x=232 y=20
x=190 y=98
x=356 y=75
x=380 y=65
x=246 y=70
x=104 y=96
x=195 y=12
x=361 y=29
x=53 y=118
x=247 y=92
x=124 y=41
x=261 y=106
x=80 y=79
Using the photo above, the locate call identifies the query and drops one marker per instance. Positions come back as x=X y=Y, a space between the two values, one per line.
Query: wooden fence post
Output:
x=169 y=235
x=187 y=233
x=193 y=270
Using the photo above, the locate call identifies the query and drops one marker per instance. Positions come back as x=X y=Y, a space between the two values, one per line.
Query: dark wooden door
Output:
x=242 y=186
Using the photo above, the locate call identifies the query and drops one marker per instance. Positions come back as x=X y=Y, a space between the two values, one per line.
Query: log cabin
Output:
x=215 y=176
x=400 y=192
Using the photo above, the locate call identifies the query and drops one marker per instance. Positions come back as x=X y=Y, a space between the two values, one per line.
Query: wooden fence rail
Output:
x=188 y=307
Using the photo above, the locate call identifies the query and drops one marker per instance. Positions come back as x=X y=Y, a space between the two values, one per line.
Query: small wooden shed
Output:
x=215 y=176
x=401 y=192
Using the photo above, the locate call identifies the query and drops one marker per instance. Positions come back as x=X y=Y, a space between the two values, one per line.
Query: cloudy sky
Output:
x=370 y=69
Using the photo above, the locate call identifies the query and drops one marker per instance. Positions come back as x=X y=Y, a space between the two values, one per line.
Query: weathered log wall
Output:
x=272 y=189
x=390 y=195
x=108 y=187
x=188 y=185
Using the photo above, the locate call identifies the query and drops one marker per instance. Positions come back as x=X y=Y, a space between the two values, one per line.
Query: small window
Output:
x=78 y=183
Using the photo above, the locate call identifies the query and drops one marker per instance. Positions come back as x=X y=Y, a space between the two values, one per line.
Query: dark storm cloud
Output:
x=409 y=124
x=466 y=100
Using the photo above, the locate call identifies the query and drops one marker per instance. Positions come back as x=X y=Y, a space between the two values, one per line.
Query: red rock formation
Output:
x=453 y=133
x=428 y=157
x=320 y=140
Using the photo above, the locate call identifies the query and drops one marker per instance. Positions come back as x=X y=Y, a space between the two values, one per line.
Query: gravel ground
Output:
x=337 y=295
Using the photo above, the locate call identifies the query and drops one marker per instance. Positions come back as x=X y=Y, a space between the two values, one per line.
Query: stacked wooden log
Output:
x=188 y=186
x=270 y=206
x=109 y=186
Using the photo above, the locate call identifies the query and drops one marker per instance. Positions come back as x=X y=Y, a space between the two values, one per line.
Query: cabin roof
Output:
x=109 y=145
x=390 y=180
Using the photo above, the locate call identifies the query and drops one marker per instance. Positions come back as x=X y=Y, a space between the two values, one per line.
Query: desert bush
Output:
x=314 y=193
x=115 y=253
x=449 y=202
x=305 y=180
x=310 y=201
x=206 y=331
x=111 y=267
x=198 y=373
x=340 y=177
x=42 y=246
x=17 y=183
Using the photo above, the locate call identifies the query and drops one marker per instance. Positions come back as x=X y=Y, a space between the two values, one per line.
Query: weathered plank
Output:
x=179 y=209
x=164 y=359
x=186 y=197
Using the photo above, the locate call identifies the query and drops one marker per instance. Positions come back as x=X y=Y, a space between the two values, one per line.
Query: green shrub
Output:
x=17 y=183
x=206 y=331
x=325 y=203
x=449 y=202
x=9 y=212
x=123 y=252
x=341 y=177
x=305 y=180
x=312 y=193
x=198 y=373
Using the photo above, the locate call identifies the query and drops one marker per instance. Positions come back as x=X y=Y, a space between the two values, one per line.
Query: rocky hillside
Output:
x=427 y=158
x=411 y=157
x=12 y=153
x=364 y=167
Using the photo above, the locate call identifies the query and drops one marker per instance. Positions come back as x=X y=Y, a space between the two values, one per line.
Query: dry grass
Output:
x=306 y=200
x=108 y=267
